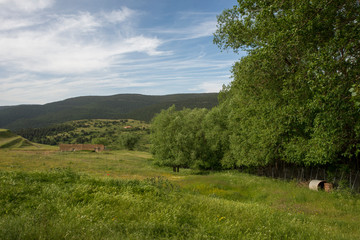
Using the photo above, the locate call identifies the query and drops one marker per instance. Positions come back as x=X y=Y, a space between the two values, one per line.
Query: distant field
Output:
x=48 y=194
x=118 y=164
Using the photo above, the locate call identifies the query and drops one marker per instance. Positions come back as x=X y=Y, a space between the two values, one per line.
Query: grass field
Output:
x=46 y=194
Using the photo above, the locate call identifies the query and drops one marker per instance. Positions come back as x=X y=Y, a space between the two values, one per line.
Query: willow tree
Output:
x=293 y=97
x=178 y=139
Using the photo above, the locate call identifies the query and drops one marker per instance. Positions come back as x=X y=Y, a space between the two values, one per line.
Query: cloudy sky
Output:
x=51 y=50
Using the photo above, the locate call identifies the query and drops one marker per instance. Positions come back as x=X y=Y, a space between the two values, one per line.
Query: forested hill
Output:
x=121 y=106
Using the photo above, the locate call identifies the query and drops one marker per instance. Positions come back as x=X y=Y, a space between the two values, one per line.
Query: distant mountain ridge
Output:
x=120 y=106
x=3 y=107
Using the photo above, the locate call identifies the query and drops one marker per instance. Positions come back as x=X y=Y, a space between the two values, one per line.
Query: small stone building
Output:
x=81 y=147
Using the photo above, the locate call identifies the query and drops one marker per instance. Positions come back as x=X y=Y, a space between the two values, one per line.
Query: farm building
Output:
x=81 y=147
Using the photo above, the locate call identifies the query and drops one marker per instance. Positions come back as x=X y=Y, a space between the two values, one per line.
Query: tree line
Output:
x=41 y=135
x=294 y=98
x=110 y=133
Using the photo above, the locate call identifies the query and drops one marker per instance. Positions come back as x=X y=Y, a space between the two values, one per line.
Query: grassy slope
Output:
x=120 y=195
x=11 y=140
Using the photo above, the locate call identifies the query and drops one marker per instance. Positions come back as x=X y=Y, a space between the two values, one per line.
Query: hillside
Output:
x=11 y=140
x=121 y=106
x=114 y=134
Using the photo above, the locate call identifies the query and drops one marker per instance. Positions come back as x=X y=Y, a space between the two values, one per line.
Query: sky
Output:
x=52 y=50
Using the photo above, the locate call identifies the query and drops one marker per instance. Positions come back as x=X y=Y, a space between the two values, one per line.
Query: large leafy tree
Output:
x=178 y=139
x=161 y=136
x=217 y=132
x=293 y=97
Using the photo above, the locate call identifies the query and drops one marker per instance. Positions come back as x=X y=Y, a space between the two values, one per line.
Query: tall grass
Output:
x=62 y=204
x=46 y=194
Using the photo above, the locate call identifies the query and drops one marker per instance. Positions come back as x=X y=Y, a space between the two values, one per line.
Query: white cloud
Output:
x=24 y=5
x=120 y=15
x=70 y=44
x=11 y=24
x=25 y=88
x=209 y=87
x=144 y=44
x=47 y=56
x=203 y=29
x=79 y=23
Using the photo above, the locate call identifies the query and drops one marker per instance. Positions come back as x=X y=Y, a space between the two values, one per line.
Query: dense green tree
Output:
x=161 y=137
x=178 y=139
x=216 y=128
x=293 y=97
x=129 y=140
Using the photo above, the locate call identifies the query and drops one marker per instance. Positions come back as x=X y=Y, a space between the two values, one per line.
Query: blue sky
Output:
x=51 y=50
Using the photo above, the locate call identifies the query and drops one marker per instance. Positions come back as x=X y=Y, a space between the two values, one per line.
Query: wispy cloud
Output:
x=120 y=15
x=12 y=24
x=24 y=5
x=198 y=30
x=21 y=88
x=71 y=43
x=190 y=25
x=48 y=55
x=210 y=86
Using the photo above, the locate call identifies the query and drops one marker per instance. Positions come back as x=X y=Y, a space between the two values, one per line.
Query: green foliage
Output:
x=103 y=141
x=111 y=133
x=355 y=94
x=216 y=129
x=294 y=97
x=178 y=139
x=41 y=135
x=129 y=141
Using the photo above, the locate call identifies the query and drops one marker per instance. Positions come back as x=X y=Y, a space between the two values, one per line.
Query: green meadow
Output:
x=47 y=194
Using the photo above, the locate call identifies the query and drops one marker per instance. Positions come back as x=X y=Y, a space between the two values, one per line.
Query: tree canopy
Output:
x=295 y=96
x=291 y=95
x=178 y=139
